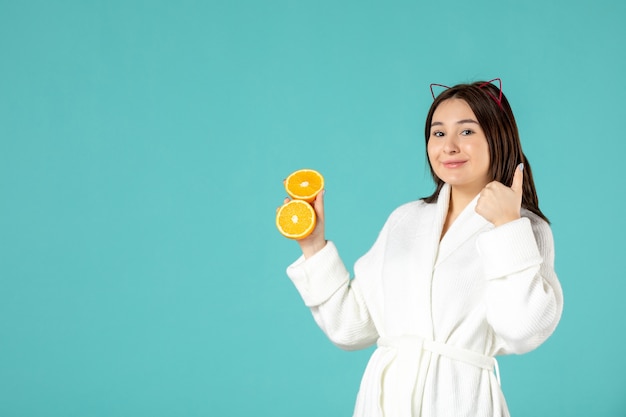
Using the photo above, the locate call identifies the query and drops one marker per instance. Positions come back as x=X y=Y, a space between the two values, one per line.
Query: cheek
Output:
x=431 y=149
x=481 y=155
x=479 y=151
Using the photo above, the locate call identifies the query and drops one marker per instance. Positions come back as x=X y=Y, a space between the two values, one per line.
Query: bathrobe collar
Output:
x=466 y=225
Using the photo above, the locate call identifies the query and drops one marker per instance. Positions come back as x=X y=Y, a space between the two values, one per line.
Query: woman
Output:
x=453 y=279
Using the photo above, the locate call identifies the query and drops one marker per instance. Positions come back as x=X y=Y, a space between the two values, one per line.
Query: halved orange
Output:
x=304 y=184
x=296 y=219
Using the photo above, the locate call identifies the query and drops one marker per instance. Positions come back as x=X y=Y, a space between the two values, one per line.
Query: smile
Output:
x=453 y=164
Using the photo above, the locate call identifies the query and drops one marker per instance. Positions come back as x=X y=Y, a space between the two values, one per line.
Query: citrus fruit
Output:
x=296 y=219
x=304 y=184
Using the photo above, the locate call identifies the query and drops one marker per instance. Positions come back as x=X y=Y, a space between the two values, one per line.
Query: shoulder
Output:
x=412 y=207
x=409 y=212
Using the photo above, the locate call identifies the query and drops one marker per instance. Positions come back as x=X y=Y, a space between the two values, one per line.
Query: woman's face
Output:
x=457 y=147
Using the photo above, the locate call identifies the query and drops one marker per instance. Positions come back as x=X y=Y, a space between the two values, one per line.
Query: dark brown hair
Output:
x=498 y=123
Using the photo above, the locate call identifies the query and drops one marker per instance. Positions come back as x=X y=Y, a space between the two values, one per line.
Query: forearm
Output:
x=336 y=302
x=523 y=295
x=345 y=320
x=523 y=309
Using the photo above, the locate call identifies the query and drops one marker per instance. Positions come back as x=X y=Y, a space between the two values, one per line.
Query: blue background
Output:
x=142 y=150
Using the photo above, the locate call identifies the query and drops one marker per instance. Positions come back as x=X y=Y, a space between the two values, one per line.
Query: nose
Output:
x=450 y=145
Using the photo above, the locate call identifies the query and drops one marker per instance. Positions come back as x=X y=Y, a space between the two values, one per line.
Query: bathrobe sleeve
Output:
x=338 y=303
x=524 y=297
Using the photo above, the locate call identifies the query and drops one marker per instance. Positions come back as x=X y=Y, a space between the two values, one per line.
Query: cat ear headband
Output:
x=497 y=100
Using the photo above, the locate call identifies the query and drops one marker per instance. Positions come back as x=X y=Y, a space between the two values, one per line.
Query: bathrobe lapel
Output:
x=466 y=225
x=408 y=269
x=409 y=276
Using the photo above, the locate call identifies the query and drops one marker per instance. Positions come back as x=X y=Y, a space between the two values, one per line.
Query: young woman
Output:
x=453 y=280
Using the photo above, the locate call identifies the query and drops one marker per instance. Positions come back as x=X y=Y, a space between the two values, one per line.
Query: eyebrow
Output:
x=460 y=122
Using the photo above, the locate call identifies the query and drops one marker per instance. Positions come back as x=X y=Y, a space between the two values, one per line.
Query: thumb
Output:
x=318 y=205
x=518 y=179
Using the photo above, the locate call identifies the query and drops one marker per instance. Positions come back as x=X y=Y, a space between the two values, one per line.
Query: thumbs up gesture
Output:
x=500 y=204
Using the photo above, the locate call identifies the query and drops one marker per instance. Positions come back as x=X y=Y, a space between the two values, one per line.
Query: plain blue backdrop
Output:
x=142 y=150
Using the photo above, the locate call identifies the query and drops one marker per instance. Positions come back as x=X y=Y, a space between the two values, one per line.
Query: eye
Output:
x=467 y=132
x=437 y=134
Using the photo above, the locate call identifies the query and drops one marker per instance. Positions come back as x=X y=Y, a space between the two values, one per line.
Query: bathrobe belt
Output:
x=409 y=353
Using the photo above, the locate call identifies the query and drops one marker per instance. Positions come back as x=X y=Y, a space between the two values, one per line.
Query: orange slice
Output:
x=296 y=219
x=304 y=184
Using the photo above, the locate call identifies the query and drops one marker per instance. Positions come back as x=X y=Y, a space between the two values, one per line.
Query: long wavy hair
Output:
x=498 y=123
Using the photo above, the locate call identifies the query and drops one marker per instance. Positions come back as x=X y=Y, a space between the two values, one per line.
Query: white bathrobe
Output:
x=438 y=310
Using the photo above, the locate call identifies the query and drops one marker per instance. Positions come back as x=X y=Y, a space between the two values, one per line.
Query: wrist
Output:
x=311 y=248
x=501 y=222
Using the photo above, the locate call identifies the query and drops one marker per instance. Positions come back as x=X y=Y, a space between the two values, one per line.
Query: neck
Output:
x=460 y=198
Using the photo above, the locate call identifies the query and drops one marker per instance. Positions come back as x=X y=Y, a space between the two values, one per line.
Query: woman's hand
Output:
x=500 y=204
x=314 y=242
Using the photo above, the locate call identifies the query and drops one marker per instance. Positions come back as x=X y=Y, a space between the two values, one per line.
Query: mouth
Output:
x=453 y=164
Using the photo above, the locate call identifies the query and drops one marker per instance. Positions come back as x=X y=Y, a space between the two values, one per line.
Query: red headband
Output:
x=497 y=100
